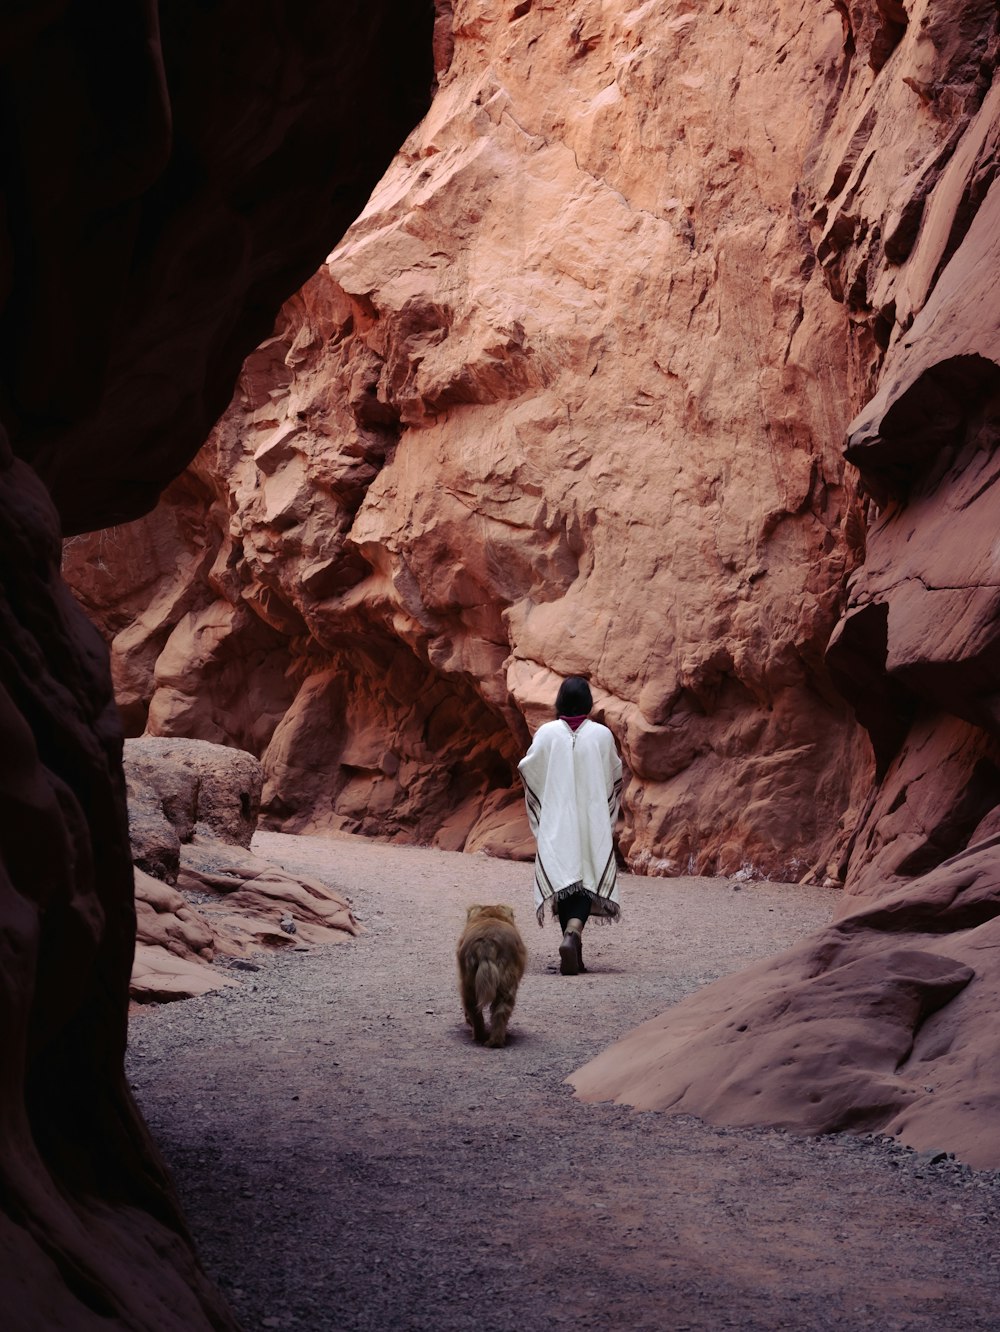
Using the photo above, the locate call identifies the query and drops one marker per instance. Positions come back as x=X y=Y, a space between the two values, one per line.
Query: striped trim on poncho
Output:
x=572 y=789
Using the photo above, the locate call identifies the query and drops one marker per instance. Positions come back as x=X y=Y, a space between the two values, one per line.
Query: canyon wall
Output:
x=572 y=395
x=885 y=1020
x=905 y=195
x=144 y=250
x=569 y=397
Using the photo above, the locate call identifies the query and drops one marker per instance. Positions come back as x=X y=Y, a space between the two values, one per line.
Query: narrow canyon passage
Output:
x=349 y=1159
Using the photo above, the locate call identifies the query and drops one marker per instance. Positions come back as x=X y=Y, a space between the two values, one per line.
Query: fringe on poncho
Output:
x=572 y=788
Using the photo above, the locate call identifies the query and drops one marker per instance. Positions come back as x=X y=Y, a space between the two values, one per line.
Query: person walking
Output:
x=572 y=778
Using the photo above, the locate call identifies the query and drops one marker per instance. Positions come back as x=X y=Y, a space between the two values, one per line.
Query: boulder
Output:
x=880 y=1022
x=192 y=813
x=155 y=844
x=200 y=786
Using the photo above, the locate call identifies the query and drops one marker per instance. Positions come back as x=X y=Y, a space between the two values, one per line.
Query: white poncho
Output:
x=572 y=787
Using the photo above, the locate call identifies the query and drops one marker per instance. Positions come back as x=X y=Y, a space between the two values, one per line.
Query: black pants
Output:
x=574 y=907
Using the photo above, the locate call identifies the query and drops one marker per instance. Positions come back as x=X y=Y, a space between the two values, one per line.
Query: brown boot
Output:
x=571 y=950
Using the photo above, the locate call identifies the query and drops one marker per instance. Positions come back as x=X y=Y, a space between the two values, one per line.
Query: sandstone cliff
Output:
x=570 y=396
x=884 y=1020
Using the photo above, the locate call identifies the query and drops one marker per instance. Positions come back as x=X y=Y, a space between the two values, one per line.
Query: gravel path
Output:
x=349 y=1159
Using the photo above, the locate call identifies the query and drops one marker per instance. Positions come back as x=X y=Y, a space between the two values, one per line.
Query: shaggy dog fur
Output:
x=491 y=961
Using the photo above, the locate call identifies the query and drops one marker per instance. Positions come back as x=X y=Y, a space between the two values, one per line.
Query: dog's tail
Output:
x=487 y=981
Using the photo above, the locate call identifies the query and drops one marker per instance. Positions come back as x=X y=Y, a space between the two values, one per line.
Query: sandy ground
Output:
x=349 y=1159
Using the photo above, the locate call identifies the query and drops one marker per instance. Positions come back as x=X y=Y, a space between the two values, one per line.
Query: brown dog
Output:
x=491 y=961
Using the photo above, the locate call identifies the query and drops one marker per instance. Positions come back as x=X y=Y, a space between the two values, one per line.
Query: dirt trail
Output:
x=349 y=1159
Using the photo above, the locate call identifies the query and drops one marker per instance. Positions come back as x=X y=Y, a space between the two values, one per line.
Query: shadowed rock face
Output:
x=922 y=628
x=166 y=235
x=150 y=172
x=86 y=1202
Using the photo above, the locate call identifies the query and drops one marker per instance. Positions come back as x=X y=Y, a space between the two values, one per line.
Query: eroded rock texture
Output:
x=149 y=160
x=919 y=648
x=192 y=811
x=87 y=1209
x=906 y=220
x=569 y=397
x=883 y=1021
x=572 y=395
x=877 y=1023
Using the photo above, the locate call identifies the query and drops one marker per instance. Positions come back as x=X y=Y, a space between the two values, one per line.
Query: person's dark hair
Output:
x=574 y=698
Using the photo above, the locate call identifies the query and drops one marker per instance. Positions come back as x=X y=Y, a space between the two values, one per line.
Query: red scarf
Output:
x=573 y=722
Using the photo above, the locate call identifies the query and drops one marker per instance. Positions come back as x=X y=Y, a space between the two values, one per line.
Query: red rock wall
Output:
x=144 y=249
x=918 y=649
x=884 y=1020
x=87 y=1207
x=569 y=397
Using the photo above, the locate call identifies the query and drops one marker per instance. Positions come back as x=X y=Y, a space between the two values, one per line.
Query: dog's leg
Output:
x=472 y=1008
x=478 y=1026
x=499 y=1017
x=470 y=1004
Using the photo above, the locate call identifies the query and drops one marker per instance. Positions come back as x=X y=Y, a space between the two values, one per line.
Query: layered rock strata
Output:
x=193 y=808
x=883 y=1022
x=175 y=946
x=149 y=156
